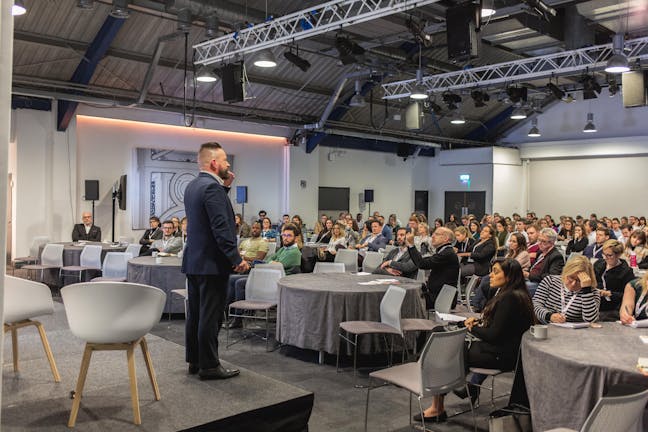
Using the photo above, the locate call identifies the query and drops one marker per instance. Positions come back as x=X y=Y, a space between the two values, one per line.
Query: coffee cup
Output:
x=154 y=254
x=539 y=331
x=158 y=260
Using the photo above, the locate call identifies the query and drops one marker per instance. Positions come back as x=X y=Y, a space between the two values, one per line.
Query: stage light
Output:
x=534 y=131
x=618 y=63
x=301 y=63
x=265 y=59
x=206 y=75
x=589 y=126
x=18 y=8
x=120 y=9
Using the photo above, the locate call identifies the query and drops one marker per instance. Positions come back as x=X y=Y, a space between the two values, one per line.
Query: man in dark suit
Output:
x=86 y=230
x=151 y=234
x=210 y=256
x=549 y=261
x=398 y=261
x=443 y=265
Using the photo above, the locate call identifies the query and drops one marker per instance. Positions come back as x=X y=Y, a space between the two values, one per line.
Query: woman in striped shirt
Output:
x=571 y=297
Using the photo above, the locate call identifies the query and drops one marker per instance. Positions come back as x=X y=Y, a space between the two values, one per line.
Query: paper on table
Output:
x=449 y=317
x=644 y=338
x=380 y=282
x=639 y=324
x=572 y=325
x=362 y=274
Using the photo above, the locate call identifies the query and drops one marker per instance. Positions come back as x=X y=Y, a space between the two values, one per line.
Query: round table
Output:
x=164 y=274
x=567 y=373
x=72 y=251
x=312 y=306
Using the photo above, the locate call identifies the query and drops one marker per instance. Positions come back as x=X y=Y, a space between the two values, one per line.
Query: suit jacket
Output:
x=405 y=264
x=157 y=234
x=443 y=266
x=211 y=235
x=482 y=255
x=79 y=233
x=552 y=264
x=379 y=242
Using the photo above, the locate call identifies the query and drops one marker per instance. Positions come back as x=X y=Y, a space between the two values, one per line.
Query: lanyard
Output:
x=562 y=301
x=153 y=233
x=596 y=251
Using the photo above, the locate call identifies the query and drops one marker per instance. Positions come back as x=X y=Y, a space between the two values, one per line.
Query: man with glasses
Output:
x=151 y=234
x=169 y=243
x=87 y=230
x=549 y=261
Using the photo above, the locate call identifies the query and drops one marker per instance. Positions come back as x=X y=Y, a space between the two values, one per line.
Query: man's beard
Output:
x=224 y=173
x=288 y=244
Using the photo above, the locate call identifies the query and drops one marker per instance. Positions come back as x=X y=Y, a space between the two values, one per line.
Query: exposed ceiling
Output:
x=62 y=51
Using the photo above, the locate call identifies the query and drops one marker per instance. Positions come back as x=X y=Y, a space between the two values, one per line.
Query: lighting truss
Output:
x=565 y=63
x=313 y=21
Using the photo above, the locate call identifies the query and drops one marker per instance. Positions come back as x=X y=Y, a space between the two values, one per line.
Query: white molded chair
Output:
x=327 y=267
x=113 y=316
x=51 y=258
x=90 y=259
x=115 y=267
x=37 y=242
x=126 y=240
x=273 y=265
x=390 y=324
x=439 y=370
x=349 y=257
x=134 y=249
x=614 y=413
x=261 y=295
x=23 y=300
x=372 y=261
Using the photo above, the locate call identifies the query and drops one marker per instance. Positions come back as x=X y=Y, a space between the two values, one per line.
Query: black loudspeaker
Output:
x=232 y=81
x=368 y=198
x=122 y=192
x=403 y=150
x=92 y=190
x=241 y=194
x=461 y=25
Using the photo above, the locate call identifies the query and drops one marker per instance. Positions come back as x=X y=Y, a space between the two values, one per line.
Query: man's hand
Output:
x=409 y=239
x=393 y=271
x=242 y=267
x=385 y=264
x=230 y=179
x=557 y=318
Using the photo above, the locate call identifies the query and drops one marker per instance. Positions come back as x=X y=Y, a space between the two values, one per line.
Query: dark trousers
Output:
x=206 y=303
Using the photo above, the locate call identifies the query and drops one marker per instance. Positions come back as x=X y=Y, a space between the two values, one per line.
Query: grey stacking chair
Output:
x=390 y=319
x=134 y=249
x=439 y=370
x=349 y=257
x=272 y=265
x=90 y=259
x=470 y=287
x=372 y=261
x=37 y=242
x=272 y=248
x=114 y=268
x=327 y=267
x=51 y=258
x=615 y=413
x=126 y=240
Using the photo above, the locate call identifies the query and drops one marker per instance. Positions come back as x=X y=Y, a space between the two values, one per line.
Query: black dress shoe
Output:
x=217 y=373
x=435 y=419
x=193 y=369
x=474 y=393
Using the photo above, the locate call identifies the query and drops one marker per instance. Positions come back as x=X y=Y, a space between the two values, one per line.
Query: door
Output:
x=421 y=202
x=463 y=203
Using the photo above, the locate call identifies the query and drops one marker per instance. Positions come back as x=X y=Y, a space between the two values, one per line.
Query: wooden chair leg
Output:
x=48 y=351
x=133 y=384
x=149 y=368
x=85 y=363
x=14 y=348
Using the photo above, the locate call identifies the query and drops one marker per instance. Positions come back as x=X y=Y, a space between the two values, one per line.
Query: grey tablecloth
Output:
x=567 y=373
x=165 y=275
x=72 y=251
x=312 y=306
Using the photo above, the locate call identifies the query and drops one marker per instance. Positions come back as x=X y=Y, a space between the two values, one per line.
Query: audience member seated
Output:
x=183 y=236
x=262 y=215
x=267 y=232
x=634 y=305
x=86 y=231
x=325 y=234
x=507 y=316
x=242 y=228
x=338 y=241
x=571 y=297
x=373 y=241
x=169 y=243
x=590 y=231
x=502 y=236
x=443 y=264
x=579 y=242
x=517 y=251
x=151 y=234
x=549 y=262
x=398 y=261
x=481 y=255
x=320 y=224
x=612 y=275
x=596 y=250
x=288 y=255
x=351 y=234
x=254 y=248
x=464 y=243
x=176 y=226
x=566 y=232
x=636 y=252
x=422 y=238
x=521 y=227
x=473 y=229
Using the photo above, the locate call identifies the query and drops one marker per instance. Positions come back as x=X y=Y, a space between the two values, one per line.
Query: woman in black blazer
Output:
x=482 y=254
x=579 y=242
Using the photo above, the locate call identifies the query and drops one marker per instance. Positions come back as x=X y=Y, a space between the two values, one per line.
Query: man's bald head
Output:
x=86 y=217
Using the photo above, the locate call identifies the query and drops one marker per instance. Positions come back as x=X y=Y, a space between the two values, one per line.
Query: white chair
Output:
x=470 y=287
x=134 y=249
x=23 y=300
x=115 y=267
x=272 y=265
x=272 y=248
x=37 y=242
x=439 y=370
x=261 y=295
x=126 y=240
x=51 y=259
x=113 y=316
x=614 y=413
x=327 y=267
x=573 y=254
x=184 y=294
x=390 y=324
x=90 y=259
x=349 y=257
x=372 y=261
x=422 y=275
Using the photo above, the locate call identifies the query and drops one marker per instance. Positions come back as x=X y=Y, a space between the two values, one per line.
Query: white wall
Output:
x=509 y=182
x=304 y=167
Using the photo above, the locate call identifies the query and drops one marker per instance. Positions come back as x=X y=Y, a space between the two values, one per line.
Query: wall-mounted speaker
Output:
x=368 y=195
x=232 y=81
x=403 y=150
x=461 y=25
x=241 y=194
x=634 y=87
x=91 y=190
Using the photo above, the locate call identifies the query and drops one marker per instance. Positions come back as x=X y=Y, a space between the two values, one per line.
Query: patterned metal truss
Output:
x=320 y=19
x=592 y=59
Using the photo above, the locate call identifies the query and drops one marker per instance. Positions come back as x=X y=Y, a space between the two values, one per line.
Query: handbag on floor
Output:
x=510 y=419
